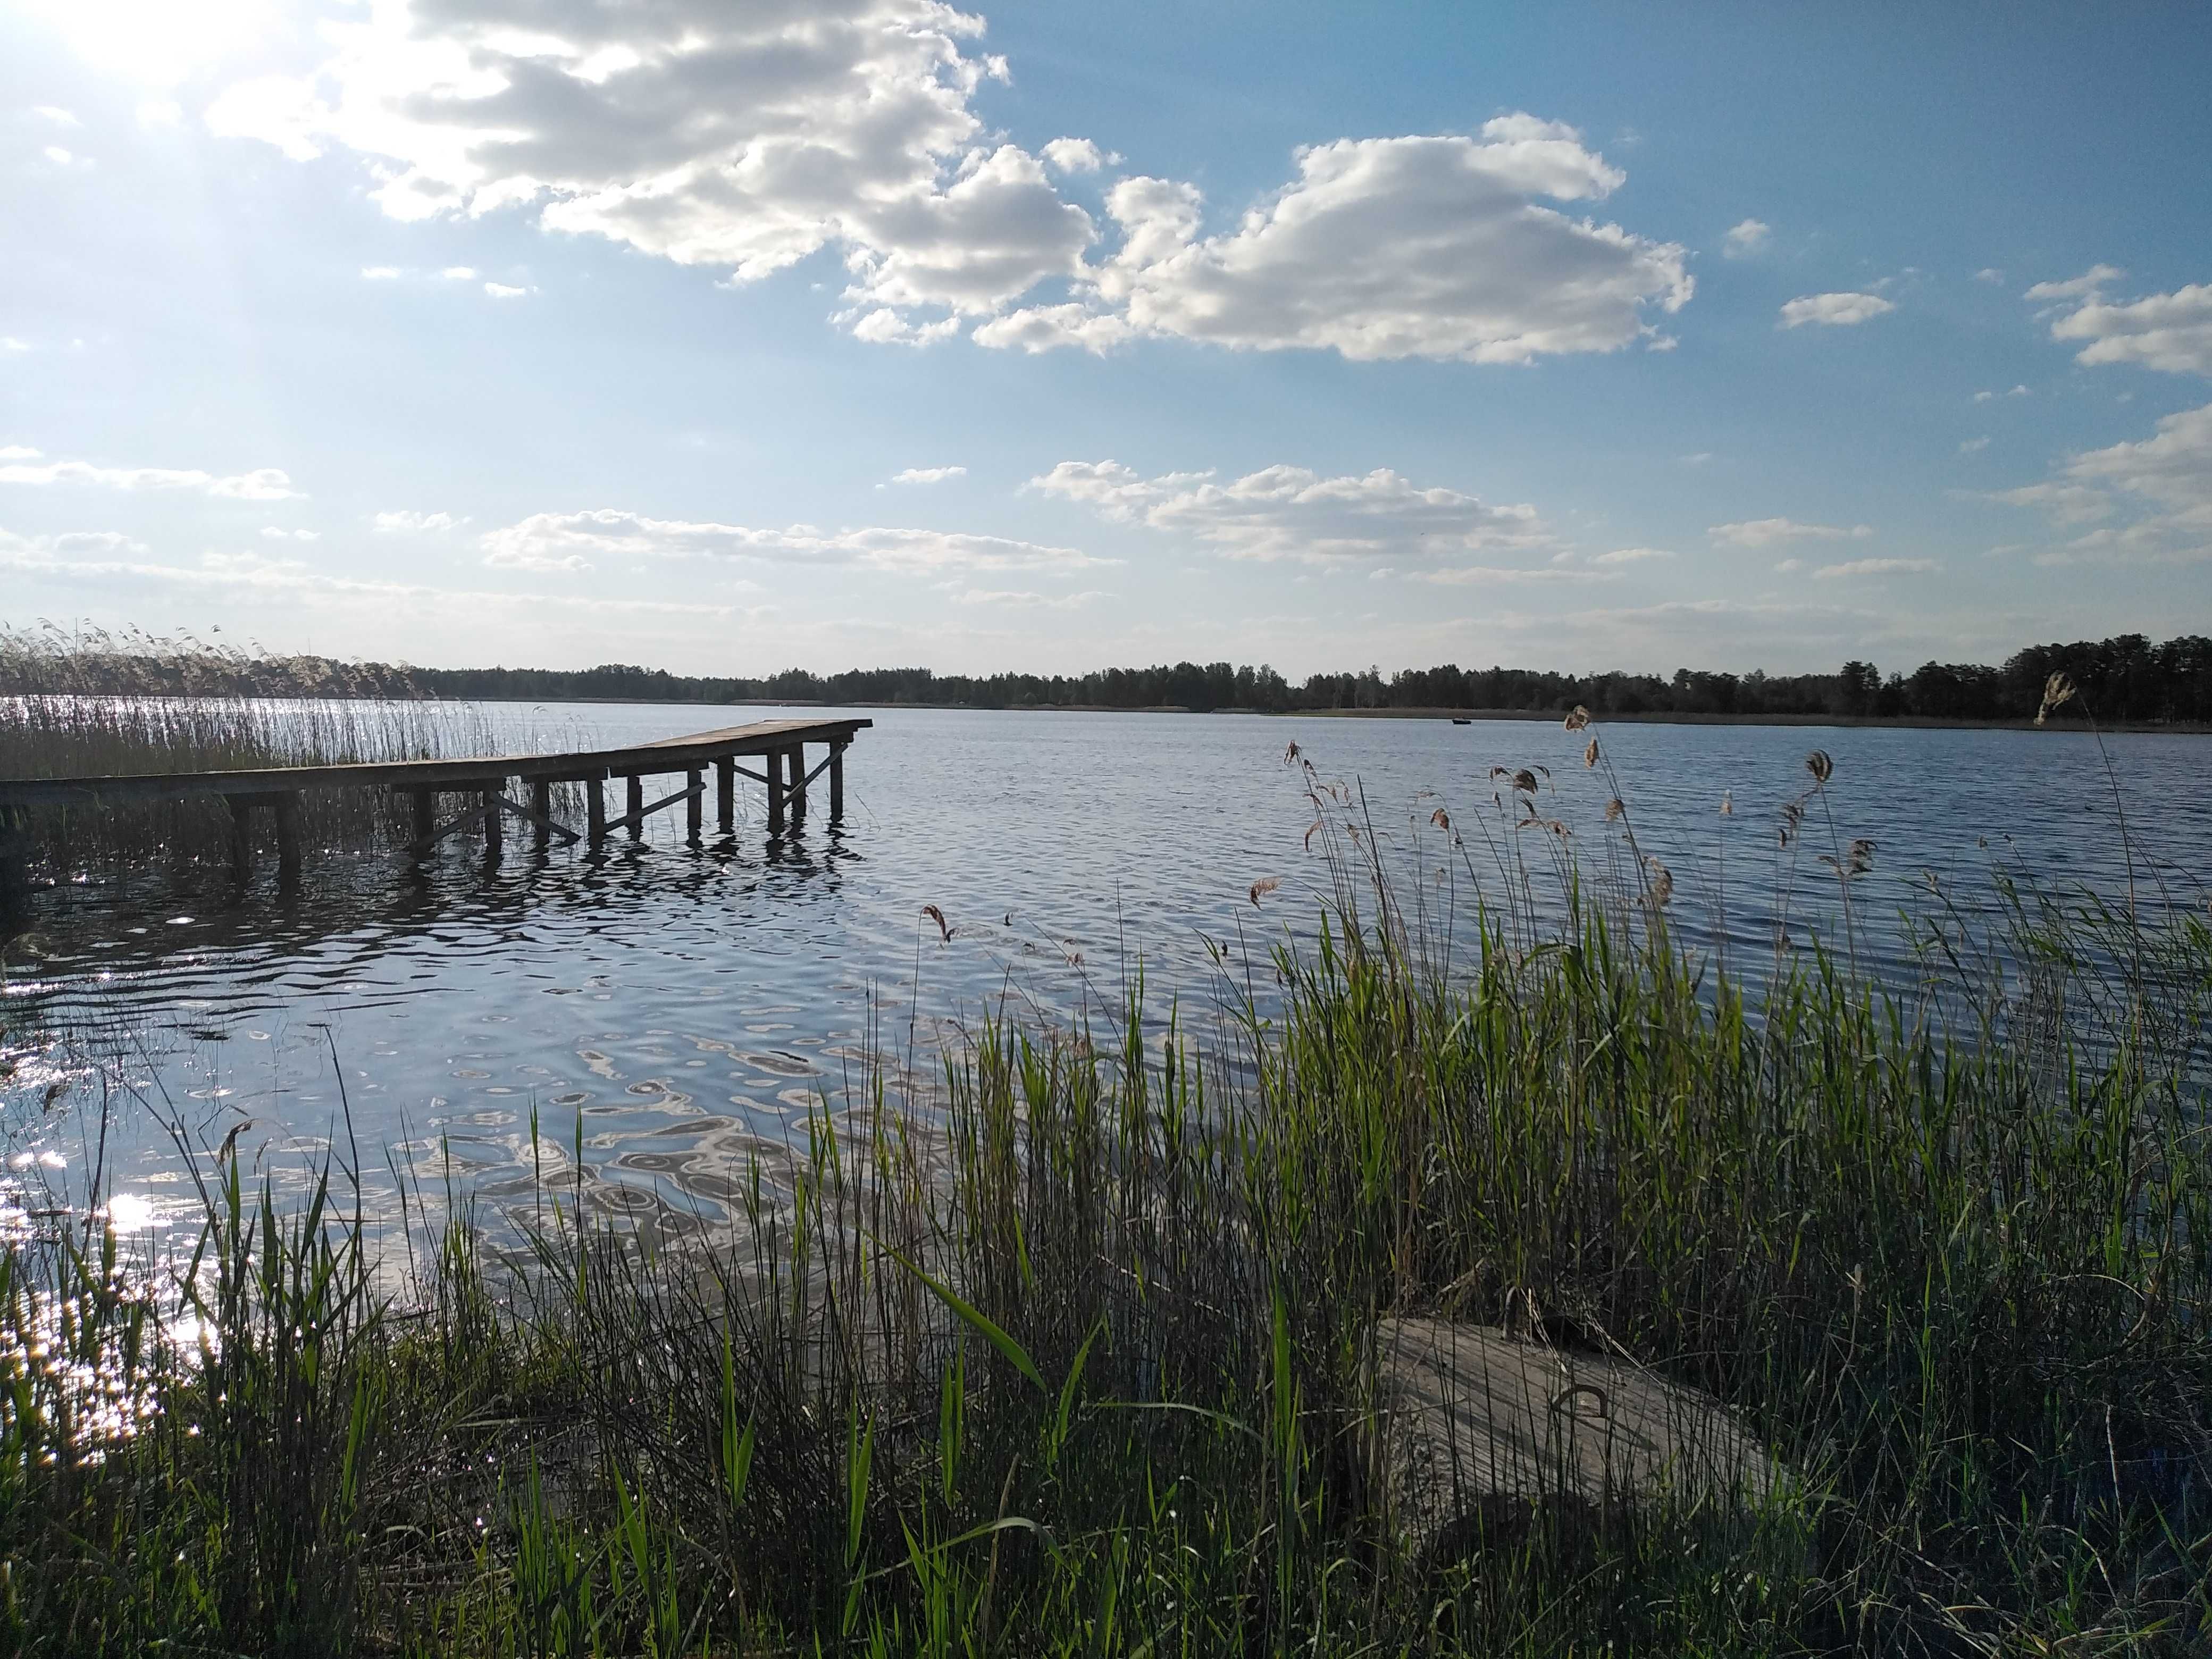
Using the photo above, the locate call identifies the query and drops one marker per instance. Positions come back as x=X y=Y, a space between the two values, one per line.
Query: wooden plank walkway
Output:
x=779 y=745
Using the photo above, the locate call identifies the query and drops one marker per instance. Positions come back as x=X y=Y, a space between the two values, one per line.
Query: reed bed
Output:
x=93 y=704
x=1086 y=1365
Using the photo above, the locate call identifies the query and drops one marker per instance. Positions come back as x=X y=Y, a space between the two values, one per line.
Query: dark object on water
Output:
x=1461 y=720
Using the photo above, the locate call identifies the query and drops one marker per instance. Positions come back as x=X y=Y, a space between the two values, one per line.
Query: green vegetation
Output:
x=1085 y=1365
x=95 y=705
x=2130 y=679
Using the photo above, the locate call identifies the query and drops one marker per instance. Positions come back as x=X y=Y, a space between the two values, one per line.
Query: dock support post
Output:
x=595 y=801
x=287 y=808
x=14 y=861
x=795 y=756
x=541 y=805
x=694 y=780
x=241 y=845
x=636 y=807
x=837 y=782
x=726 y=793
x=495 y=832
x=775 y=775
x=426 y=817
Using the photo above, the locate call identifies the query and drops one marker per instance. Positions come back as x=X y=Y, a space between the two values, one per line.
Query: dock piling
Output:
x=634 y=808
x=694 y=793
x=776 y=777
x=837 y=782
x=287 y=808
x=726 y=793
x=795 y=757
x=541 y=809
x=241 y=843
x=493 y=820
x=595 y=801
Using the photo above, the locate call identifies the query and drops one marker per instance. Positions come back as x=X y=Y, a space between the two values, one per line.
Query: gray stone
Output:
x=1473 y=1425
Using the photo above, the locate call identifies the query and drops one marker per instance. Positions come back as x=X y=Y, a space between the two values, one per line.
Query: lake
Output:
x=673 y=1011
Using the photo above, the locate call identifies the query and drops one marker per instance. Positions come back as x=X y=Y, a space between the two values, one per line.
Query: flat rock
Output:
x=1468 y=1418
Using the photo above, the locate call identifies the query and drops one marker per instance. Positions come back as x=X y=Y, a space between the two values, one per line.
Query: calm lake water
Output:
x=676 y=1009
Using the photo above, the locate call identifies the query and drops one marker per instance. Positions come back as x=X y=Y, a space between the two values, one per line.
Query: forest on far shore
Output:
x=2126 y=679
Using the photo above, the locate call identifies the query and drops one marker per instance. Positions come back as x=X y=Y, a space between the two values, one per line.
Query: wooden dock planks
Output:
x=780 y=747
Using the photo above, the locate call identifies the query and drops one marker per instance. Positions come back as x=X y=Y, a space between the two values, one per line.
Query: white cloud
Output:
x=1632 y=555
x=749 y=137
x=246 y=574
x=1745 y=238
x=1382 y=248
x=1988 y=274
x=741 y=136
x=24 y=466
x=501 y=291
x=2168 y=331
x=69 y=542
x=9 y=342
x=927 y=475
x=2066 y=503
x=1291 y=512
x=1990 y=397
x=1789 y=567
x=1877 y=568
x=274 y=534
x=1077 y=155
x=1465 y=575
x=407 y=521
x=1973 y=446
x=381 y=273
x=1765 y=532
x=458 y=273
x=549 y=540
x=2076 y=287
x=1834 y=310
x=57 y=114
x=1020 y=600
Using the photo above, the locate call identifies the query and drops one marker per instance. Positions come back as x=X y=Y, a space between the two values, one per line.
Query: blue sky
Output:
x=730 y=337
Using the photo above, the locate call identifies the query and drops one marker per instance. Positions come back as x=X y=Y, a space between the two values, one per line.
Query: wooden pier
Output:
x=481 y=787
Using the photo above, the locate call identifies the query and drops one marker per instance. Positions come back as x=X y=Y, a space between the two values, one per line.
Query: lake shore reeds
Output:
x=1088 y=1364
x=92 y=705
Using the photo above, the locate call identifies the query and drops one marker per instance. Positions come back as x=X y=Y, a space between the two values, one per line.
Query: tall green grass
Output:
x=93 y=705
x=1085 y=1364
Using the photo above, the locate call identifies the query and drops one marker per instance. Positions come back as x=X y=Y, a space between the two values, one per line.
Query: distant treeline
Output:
x=2123 y=679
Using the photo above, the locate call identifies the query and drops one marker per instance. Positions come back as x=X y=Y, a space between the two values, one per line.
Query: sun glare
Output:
x=159 y=42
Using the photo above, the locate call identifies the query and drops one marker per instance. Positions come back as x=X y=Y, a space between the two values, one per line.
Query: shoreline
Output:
x=1919 y=722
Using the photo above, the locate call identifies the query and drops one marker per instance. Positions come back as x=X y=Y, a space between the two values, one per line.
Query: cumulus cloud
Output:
x=2168 y=331
x=2075 y=288
x=1745 y=238
x=1077 y=155
x=1382 y=247
x=1632 y=555
x=749 y=137
x=1973 y=446
x=1834 y=310
x=501 y=291
x=552 y=540
x=275 y=534
x=927 y=475
x=407 y=521
x=1765 y=533
x=2151 y=500
x=1877 y=568
x=379 y=273
x=740 y=137
x=28 y=466
x=1292 y=513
